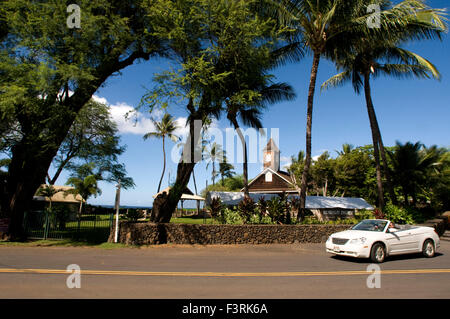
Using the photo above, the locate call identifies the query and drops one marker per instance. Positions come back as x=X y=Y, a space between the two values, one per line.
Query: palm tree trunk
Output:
x=195 y=184
x=373 y=126
x=309 y=112
x=245 y=164
x=213 y=173
x=164 y=165
x=387 y=175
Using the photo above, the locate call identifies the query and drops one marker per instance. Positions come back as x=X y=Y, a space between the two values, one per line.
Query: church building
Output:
x=271 y=180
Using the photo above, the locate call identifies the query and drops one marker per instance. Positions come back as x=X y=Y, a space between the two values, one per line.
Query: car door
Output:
x=400 y=241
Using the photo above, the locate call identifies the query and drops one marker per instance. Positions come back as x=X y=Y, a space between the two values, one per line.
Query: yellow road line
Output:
x=225 y=274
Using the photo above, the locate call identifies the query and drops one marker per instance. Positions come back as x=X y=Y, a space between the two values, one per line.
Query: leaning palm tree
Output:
x=380 y=54
x=328 y=27
x=166 y=127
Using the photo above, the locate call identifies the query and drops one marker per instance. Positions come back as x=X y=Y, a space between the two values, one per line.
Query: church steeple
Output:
x=271 y=156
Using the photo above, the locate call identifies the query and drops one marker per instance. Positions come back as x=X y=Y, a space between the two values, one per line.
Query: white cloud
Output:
x=130 y=121
x=285 y=162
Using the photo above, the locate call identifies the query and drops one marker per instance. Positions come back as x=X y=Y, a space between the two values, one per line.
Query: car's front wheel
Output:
x=428 y=248
x=378 y=253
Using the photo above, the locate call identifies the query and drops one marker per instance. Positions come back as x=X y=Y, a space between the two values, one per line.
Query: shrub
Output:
x=254 y=219
x=277 y=209
x=262 y=206
x=215 y=207
x=398 y=214
x=246 y=208
x=266 y=220
x=364 y=214
x=231 y=217
x=133 y=214
x=378 y=214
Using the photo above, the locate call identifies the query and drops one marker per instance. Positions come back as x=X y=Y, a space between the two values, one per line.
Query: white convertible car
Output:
x=378 y=238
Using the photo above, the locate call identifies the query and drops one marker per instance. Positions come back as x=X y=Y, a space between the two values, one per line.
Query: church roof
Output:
x=271 y=146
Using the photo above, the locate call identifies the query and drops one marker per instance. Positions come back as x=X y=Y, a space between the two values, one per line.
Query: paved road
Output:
x=244 y=271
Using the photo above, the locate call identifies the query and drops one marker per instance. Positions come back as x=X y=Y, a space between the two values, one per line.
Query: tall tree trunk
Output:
x=195 y=184
x=245 y=164
x=164 y=164
x=27 y=171
x=213 y=173
x=387 y=174
x=32 y=156
x=164 y=205
x=373 y=126
x=309 y=113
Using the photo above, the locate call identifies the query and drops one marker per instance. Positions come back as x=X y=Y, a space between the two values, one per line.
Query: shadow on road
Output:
x=388 y=259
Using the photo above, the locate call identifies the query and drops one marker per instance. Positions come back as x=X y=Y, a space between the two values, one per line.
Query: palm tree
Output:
x=225 y=169
x=211 y=155
x=48 y=191
x=83 y=186
x=346 y=149
x=166 y=127
x=328 y=27
x=379 y=54
x=411 y=164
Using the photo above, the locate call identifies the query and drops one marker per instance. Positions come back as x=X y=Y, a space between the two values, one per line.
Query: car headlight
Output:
x=360 y=241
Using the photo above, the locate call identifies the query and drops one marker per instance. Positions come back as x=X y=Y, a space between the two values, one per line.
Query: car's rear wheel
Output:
x=378 y=253
x=428 y=248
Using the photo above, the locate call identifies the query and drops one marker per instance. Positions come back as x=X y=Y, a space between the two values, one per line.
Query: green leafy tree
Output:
x=164 y=128
x=216 y=31
x=52 y=71
x=92 y=138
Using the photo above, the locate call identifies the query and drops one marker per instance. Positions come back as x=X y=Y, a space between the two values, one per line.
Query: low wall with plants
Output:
x=143 y=233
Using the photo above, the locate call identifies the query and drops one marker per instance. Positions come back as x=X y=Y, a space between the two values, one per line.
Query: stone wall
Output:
x=149 y=234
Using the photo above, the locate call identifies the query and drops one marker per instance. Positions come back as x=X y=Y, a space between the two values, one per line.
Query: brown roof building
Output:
x=271 y=179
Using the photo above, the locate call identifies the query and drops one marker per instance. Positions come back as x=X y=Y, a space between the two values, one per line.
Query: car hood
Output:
x=352 y=234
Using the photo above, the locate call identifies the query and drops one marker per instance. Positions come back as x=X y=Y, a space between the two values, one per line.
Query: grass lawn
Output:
x=62 y=243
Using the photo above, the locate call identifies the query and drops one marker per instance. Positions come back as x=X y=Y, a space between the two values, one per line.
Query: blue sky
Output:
x=407 y=110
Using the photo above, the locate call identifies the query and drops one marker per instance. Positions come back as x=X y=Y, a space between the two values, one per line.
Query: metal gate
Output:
x=54 y=225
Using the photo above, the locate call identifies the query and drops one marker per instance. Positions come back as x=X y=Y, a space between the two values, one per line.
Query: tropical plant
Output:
x=164 y=128
x=83 y=185
x=411 y=166
x=277 y=209
x=215 y=207
x=246 y=208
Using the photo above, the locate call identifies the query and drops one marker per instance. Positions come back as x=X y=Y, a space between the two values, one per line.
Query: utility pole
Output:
x=117 y=205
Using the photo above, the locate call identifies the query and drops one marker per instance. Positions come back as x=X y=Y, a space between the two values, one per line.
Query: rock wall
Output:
x=151 y=234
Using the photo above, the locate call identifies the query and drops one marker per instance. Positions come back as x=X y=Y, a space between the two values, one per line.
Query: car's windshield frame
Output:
x=372 y=222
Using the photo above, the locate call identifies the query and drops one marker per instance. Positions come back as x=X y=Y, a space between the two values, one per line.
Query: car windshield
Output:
x=370 y=225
